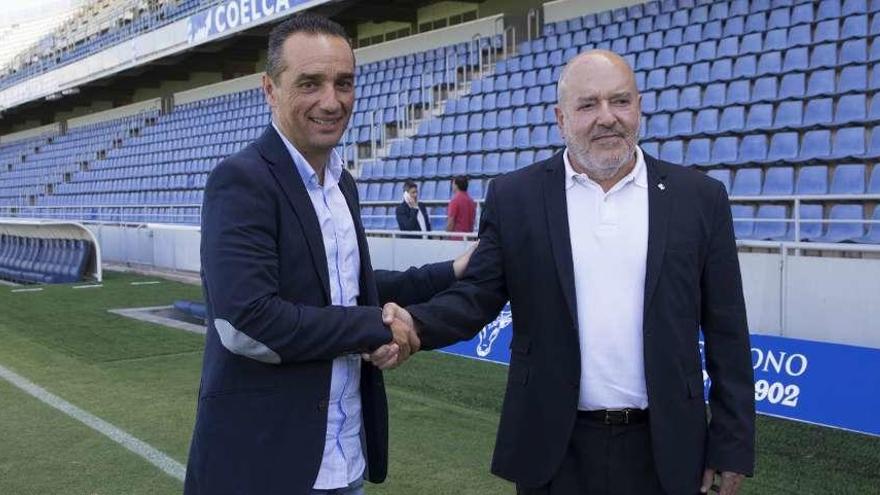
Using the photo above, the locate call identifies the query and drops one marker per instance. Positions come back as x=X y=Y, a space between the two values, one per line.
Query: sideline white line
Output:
x=151 y=282
x=155 y=457
x=87 y=286
x=26 y=290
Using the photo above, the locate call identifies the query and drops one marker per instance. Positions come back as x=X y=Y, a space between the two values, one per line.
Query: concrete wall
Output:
x=115 y=113
x=50 y=129
x=826 y=299
x=221 y=88
x=566 y=9
x=427 y=41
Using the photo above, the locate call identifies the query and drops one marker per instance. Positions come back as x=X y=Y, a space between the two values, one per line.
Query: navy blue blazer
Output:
x=692 y=279
x=272 y=334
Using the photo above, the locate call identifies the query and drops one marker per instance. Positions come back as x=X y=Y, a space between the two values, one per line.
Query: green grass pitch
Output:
x=143 y=378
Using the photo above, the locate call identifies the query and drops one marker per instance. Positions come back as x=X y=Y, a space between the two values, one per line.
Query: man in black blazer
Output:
x=286 y=406
x=612 y=262
x=412 y=215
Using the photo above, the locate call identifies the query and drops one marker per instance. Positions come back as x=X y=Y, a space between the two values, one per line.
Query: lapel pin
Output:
x=661 y=186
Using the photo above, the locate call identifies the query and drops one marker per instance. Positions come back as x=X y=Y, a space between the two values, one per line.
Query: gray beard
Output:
x=600 y=170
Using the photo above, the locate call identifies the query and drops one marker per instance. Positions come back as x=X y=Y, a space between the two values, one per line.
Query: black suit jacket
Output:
x=272 y=334
x=692 y=279
x=407 y=217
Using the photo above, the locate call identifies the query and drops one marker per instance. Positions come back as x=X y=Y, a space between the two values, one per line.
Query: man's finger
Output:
x=708 y=478
x=388 y=312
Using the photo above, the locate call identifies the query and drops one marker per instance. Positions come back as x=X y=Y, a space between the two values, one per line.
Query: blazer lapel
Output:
x=659 y=201
x=282 y=167
x=556 y=208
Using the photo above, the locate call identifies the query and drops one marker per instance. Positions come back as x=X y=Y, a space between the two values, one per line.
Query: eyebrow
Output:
x=320 y=77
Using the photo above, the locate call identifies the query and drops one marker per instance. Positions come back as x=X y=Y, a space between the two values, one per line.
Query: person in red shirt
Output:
x=462 y=209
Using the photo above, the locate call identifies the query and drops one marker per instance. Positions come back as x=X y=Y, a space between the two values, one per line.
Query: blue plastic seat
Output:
x=824 y=55
x=776 y=39
x=821 y=82
x=732 y=119
x=789 y=114
x=778 y=181
x=721 y=70
x=681 y=123
x=672 y=151
x=808 y=230
x=667 y=101
x=792 y=86
x=854 y=27
x=783 y=147
x=747 y=182
x=746 y=66
x=715 y=94
x=724 y=150
x=728 y=47
x=816 y=145
x=819 y=112
x=658 y=126
x=812 y=180
x=738 y=92
x=770 y=230
x=698 y=152
x=853 y=78
x=743 y=223
x=851 y=108
x=849 y=142
x=848 y=179
x=874 y=182
x=844 y=232
x=706 y=121
x=853 y=52
x=508 y=161
x=760 y=117
x=769 y=63
x=689 y=97
x=753 y=149
x=827 y=30
x=796 y=59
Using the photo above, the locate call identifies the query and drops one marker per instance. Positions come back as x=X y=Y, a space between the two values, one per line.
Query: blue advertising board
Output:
x=814 y=382
x=233 y=14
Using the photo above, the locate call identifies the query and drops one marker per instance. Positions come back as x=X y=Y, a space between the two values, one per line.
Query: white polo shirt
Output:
x=609 y=245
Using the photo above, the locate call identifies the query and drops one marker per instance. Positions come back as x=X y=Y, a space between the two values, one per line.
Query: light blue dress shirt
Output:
x=343 y=460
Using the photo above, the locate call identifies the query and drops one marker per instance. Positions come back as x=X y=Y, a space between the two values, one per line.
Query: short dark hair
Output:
x=461 y=182
x=409 y=185
x=305 y=22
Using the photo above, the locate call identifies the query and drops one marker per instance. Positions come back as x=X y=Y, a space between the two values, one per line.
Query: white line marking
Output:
x=155 y=457
x=88 y=286
x=26 y=290
x=151 y=282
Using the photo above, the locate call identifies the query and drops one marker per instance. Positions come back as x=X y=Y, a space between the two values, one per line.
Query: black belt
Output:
x=616 y=416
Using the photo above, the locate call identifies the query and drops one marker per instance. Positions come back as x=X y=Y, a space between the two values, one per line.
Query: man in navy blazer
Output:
x=286 y=405
x=612 y=261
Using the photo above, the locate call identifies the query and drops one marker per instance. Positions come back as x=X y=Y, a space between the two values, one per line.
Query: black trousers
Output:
x=605 y=460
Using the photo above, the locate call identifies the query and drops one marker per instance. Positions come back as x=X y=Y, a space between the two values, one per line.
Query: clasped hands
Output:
x=404 y=343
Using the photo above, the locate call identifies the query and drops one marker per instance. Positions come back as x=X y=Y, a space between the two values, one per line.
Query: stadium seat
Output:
x=722 y=175
x=743 y=223
x=771 y=230
x=848 y=179
x=873 y=234
x=747 y=182
x=812 y=180
x=843 y=232
x=778 y=181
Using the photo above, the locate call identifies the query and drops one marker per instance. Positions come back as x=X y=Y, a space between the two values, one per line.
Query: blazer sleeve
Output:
x=731 y=445
x=459 y=312
x=414 y=285
x=240 y=261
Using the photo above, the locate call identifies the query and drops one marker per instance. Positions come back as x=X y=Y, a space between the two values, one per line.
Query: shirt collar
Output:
x=638 y=175
x=332 y=173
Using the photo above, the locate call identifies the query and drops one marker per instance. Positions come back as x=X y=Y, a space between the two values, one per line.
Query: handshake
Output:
x=405 y=340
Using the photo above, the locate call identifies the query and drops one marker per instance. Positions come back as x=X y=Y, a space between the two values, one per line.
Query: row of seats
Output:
x=668 y=14
x=811 y=180
x=775 y=32
x=385 y=218
x=429 y=190
x=520 y=138
x=784 y=147
x=775 y=223
x=47 y=261
x=164 y=214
